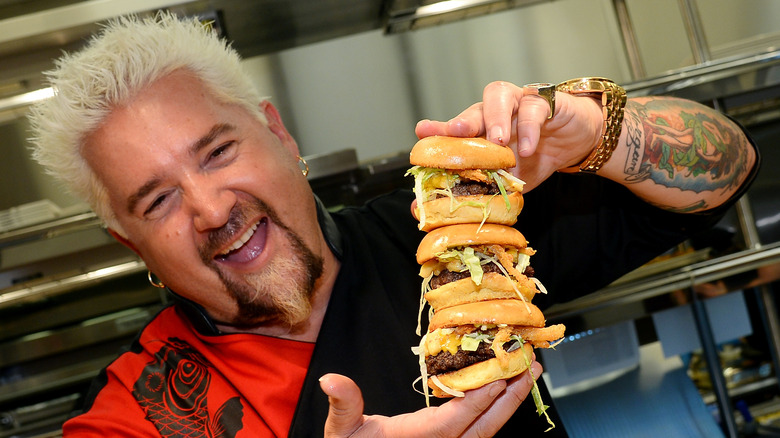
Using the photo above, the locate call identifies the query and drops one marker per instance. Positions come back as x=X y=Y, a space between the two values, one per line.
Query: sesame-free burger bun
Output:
x=461 y=153
x=492 y=312
x=469 y=209
x=493 y=286
x=481 y=373
x=443 y=238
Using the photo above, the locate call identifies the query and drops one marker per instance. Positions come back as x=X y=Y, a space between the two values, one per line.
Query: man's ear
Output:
x=277 y=127
x=124 y=241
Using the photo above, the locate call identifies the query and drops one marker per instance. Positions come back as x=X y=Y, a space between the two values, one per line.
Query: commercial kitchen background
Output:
x=351 y=96
x=366 y=91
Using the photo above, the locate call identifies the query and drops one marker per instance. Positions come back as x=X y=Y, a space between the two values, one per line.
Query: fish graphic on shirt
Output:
x=173 y=392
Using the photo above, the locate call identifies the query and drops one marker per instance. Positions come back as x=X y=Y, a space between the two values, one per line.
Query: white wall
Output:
x=549 y=42
x=730 y=27
x=367 y=91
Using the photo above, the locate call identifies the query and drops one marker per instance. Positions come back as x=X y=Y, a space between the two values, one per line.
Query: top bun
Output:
x=461 y=153
x=451 y=236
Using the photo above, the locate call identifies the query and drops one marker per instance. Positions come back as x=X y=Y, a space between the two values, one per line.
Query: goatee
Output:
x=282 y=292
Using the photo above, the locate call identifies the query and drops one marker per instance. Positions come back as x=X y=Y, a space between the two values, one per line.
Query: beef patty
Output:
x=445 y=361
x=447 y=276
x=467 y=188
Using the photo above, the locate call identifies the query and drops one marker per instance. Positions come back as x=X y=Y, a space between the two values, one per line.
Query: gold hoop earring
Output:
x=151 y=277
x=305 y=170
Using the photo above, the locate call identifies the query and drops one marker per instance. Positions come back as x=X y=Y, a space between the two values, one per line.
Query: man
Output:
x=276 y=300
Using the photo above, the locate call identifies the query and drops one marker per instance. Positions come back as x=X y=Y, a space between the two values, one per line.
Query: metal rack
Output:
x=722 y=84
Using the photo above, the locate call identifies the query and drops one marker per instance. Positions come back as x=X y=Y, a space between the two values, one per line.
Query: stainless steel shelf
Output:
x=665 y=282
x=56 y=286
x=49 y=229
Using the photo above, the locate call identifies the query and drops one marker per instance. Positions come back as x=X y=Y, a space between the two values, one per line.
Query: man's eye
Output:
x=220 y=150
x=155 y=204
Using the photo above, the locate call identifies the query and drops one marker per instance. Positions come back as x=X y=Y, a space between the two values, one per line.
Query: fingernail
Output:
x=324 y=377
x=496 y=389
x=537 y=369
x=524 y=146
x=497 y=134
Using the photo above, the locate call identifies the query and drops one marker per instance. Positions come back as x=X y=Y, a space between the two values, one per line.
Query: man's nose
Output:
x=210 y=203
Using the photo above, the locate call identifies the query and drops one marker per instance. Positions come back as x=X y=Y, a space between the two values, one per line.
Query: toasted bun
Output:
x=443 y=238
x=482 y=373
x=493 y=286
x=461 y=153
x=438 y=212
x=511 y=312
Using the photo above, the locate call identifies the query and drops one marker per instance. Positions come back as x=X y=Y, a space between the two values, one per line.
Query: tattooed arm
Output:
x=674 y=153
x=679 y=155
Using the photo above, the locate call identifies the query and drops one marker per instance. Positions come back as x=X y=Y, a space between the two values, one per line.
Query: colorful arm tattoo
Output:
x=683 y=145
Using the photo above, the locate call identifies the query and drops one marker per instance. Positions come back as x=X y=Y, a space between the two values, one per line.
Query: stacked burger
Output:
x=478 y=281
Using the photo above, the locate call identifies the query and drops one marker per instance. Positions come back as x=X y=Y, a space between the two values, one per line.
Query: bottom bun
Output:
x=480 y=374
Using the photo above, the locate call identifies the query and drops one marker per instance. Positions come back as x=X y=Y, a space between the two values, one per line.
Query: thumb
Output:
x=345 y=415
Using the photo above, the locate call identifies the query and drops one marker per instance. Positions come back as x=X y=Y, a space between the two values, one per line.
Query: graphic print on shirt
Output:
x=173 y=392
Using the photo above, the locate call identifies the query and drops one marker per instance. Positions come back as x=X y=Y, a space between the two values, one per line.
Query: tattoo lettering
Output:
x=634 y=157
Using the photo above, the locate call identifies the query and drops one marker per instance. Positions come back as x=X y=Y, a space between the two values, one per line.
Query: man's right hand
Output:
x=481 y=413
x=512 y=116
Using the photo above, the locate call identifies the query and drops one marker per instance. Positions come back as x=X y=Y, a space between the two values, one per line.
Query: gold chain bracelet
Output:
x=613 y=101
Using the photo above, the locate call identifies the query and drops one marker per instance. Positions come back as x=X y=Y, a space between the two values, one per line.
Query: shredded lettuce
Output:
x=523 y=261
x=425 y=287
x=420 y=352
x=500 y=184
x=469 y=344
x=468 y=258
x=541 y=408
x=539 y=285
x=422 y=175
x=471 y=341
x=430 y=182
x=461 y=259
x=447 y=389
x=512 y=180
x=505 y=273
x=473 y=264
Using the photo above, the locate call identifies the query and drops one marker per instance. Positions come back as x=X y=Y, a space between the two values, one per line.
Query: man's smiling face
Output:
x=213 y=201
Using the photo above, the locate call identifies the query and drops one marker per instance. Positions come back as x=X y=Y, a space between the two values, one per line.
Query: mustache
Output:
x=237 y=219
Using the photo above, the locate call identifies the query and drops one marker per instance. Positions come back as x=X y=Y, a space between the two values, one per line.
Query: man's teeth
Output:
x=241 y=240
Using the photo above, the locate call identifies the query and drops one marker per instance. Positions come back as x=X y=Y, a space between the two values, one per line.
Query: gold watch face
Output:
x=586 y=85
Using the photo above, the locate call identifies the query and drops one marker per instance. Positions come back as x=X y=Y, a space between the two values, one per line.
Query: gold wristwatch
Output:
x=613 y=100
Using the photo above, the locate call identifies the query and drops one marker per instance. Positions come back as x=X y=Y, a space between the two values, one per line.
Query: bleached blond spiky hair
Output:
x=127 y=55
